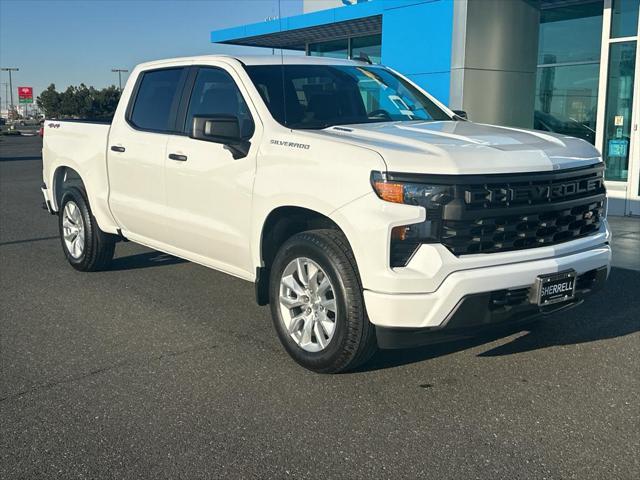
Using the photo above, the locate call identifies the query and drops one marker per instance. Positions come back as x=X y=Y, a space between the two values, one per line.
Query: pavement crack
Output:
x=28 y=240
x=107 y=368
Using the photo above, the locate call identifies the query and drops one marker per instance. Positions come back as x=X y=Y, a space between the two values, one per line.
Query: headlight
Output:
x=421 y=194
x=406 y=239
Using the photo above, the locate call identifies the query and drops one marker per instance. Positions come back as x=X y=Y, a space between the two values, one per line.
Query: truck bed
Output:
x=79 y=145
x=100 y=121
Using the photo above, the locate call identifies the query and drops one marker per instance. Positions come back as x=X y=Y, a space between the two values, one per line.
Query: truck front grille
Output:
x=504 y=212
x=513 y=232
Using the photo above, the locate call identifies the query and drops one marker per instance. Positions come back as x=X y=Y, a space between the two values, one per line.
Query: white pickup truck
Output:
x=367 y=213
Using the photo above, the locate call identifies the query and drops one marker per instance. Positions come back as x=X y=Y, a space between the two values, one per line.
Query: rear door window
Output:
x=157 y=99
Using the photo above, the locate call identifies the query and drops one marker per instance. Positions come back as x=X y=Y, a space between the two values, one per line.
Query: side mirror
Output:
x=224 y=129
x=461 y=114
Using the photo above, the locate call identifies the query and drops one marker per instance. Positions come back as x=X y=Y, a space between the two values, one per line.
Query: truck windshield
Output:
x=319 y=96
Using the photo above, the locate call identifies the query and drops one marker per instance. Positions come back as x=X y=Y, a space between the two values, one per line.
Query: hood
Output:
x=456 y=147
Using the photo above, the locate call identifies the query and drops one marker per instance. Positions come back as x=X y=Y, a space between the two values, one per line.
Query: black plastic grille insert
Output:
x=513 y=232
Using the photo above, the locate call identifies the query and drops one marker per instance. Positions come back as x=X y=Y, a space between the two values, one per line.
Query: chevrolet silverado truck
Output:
x=367 y=214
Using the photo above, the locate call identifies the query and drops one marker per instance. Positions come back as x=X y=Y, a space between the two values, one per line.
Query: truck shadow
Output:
x=613 y=312
x=144 y=260
x=20 y=159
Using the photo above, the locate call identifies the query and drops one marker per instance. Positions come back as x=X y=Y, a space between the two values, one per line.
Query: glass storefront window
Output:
x=568 y=69
x=371 y=46
x=333 y=48
x=566 y=100
x=624 y=18
x=571 y=33
x=617 y=128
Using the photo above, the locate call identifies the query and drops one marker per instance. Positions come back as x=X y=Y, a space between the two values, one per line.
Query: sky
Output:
x=68 y=42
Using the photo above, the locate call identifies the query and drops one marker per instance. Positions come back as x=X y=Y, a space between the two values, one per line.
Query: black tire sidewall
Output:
x=301 y=246
x=75 y=195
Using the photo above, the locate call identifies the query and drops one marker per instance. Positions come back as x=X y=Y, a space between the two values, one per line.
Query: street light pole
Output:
x=6 y=96
x=119 y=71
x=10 y=69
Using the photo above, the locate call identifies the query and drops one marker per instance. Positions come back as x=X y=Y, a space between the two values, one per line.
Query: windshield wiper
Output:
x=310 y=126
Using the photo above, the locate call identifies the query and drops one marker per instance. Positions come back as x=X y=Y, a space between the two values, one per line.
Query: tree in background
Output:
x=79 y=102
x=49 y=102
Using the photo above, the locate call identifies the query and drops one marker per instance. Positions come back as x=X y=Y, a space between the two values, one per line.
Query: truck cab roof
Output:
x=254 y=60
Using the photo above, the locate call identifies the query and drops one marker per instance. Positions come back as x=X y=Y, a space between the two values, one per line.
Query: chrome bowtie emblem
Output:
x=588 y=215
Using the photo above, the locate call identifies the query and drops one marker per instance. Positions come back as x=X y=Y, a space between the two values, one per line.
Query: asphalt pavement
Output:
x=160 y=368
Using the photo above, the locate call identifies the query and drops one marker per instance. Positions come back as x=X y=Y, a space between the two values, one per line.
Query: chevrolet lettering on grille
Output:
x=531 y=193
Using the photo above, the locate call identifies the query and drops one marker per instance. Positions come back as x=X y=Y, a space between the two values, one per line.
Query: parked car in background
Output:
x=24 y=122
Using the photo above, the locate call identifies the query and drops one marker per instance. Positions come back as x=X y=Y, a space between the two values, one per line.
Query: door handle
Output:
x=179 y=158
x=117 y=149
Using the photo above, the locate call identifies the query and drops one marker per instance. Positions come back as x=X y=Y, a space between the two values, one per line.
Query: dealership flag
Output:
x=25 y=94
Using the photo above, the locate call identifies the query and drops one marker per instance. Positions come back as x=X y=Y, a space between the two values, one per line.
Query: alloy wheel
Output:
x=308 y=304
x=73 y=229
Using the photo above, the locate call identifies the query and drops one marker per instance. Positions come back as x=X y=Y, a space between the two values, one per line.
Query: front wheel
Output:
x=86 y=247
x=317 y=305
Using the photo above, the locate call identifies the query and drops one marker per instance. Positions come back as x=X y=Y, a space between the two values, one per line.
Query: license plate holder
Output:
x=554 y=288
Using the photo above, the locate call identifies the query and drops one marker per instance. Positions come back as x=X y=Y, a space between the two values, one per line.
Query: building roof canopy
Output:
x=297 y=39
x=295 y=32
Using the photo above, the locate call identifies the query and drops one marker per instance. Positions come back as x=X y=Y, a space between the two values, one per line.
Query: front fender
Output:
x=322 y=178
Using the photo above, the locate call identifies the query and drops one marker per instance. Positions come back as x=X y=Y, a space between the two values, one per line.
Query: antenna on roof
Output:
x=363 y=57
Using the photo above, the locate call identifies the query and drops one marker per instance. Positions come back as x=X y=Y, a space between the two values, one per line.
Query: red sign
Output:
x=25 y=94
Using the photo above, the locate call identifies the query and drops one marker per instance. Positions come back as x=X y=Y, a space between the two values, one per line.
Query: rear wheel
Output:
x=317 y=305
x=86 y=247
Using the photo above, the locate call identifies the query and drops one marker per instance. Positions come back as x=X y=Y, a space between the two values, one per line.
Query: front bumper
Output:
x=368 y=222
x=431 y=310
x=477 y=313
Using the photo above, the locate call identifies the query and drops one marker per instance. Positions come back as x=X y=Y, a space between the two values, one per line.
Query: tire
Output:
x=90 y=249
x=344 y=338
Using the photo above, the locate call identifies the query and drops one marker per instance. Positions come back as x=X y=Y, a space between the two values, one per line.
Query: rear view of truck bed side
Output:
x=74 y=153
